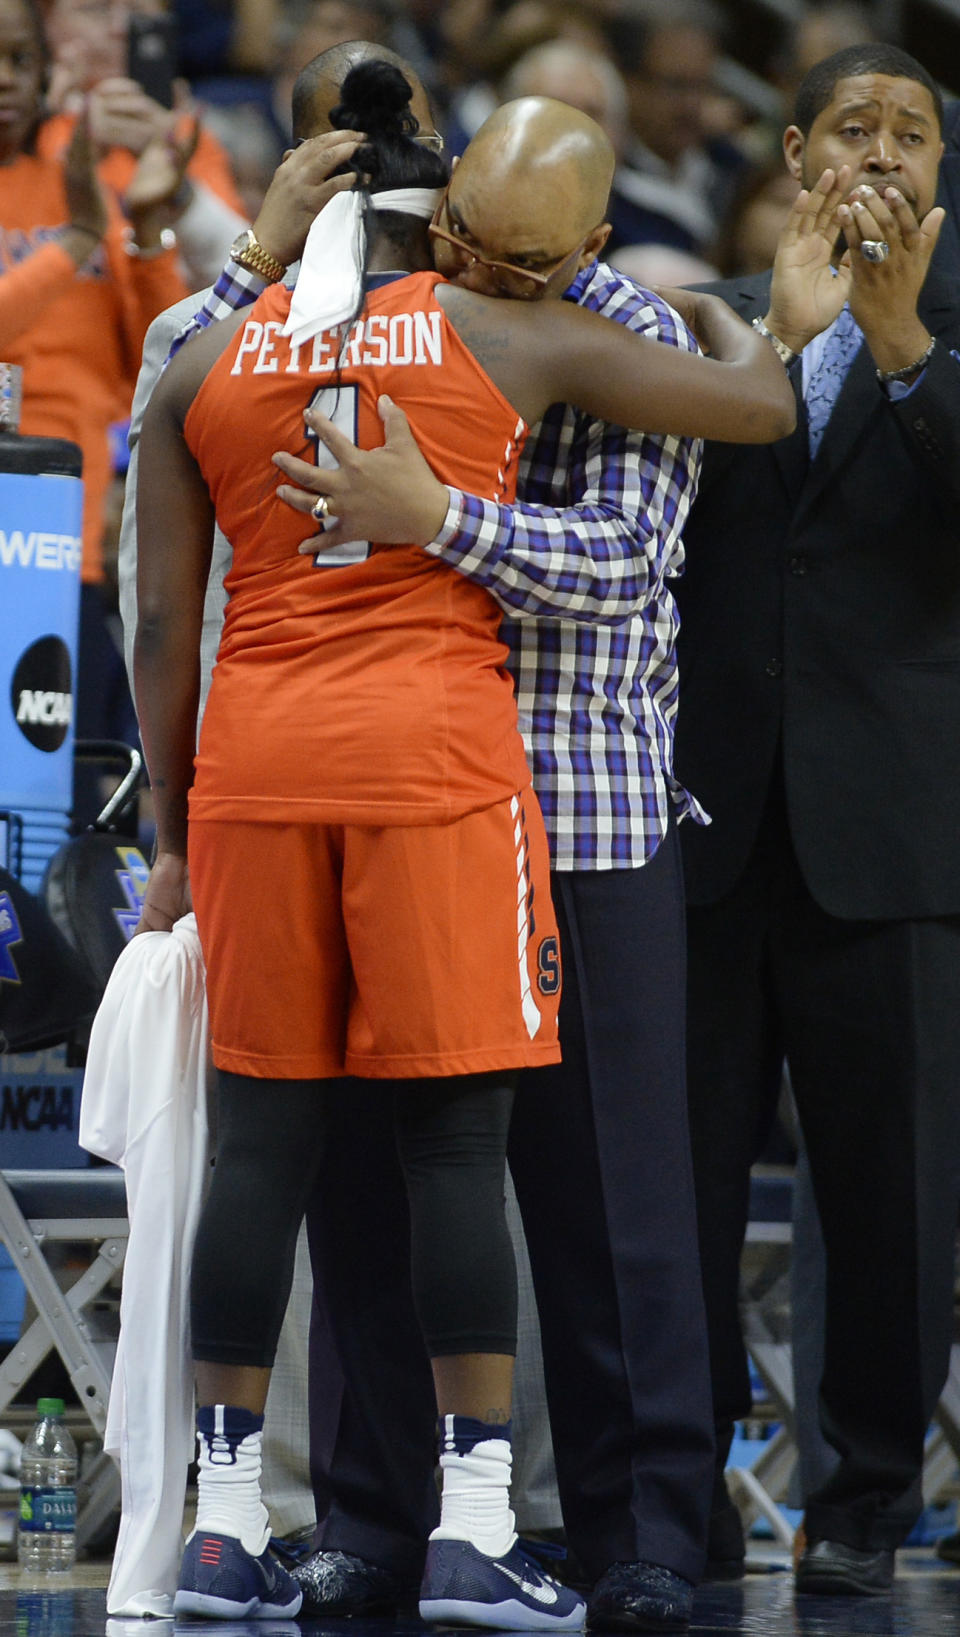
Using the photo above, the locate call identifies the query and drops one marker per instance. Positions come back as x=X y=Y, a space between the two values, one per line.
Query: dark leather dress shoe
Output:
x=337 y=1583
x=831 y=1569
x=640 y=1597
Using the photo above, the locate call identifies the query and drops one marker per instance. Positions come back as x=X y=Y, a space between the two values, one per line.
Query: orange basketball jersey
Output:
x=368 y=688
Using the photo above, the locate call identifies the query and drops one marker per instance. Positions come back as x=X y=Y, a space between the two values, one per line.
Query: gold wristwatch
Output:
x=249 y=253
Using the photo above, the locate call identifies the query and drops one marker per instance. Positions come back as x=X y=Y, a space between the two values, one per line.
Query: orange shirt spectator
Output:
x=210 y=163
x=76 y=330
x=90 y=44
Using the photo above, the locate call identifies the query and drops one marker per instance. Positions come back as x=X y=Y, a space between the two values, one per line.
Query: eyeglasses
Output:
x=520 y=282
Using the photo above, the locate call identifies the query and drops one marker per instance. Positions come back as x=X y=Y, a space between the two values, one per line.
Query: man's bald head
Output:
x=536 y=154
x=530 y=193
x=317 y=87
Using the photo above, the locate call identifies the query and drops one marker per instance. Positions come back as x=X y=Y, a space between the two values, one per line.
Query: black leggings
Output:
x=451 y=1136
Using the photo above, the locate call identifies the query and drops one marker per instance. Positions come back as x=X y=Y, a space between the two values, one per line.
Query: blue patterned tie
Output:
x=828 y=376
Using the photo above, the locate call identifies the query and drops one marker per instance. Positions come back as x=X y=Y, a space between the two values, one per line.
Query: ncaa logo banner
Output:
x=40 y=550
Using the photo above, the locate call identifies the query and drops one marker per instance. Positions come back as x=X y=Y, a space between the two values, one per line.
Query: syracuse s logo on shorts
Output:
x=548 y=966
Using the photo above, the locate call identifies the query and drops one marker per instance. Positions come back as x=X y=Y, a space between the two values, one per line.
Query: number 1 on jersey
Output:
x=339 y=404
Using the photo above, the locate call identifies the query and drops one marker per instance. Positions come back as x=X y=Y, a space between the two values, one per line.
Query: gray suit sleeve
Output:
x=205 y=232
x=155 y=348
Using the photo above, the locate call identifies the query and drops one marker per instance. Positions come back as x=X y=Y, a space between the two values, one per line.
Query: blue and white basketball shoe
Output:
x=221 y=1581
x=464 y=1587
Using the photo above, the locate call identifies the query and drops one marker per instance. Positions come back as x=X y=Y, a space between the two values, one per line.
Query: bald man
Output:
x=599 y=1147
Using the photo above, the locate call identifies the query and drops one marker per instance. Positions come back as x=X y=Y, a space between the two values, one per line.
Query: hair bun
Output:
x=375 y=98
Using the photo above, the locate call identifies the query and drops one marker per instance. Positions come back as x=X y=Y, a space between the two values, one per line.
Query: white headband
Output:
x=329 y=282
x=409 y=201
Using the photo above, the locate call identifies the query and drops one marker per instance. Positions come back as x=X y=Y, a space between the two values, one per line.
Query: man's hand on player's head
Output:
x=302 y=184
x=389 y=494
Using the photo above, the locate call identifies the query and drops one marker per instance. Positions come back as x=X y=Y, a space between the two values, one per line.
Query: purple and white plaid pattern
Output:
x=236 y=287
x=581 y=568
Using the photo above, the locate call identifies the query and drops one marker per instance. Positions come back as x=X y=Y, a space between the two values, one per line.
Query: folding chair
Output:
x=87 y=909
x=943 y=1445
x=759 y=1489
x=38 y=1208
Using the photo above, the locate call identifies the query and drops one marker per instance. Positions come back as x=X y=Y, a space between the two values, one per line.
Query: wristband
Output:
x=168 y=241
x=783 y=352
x=908 y=370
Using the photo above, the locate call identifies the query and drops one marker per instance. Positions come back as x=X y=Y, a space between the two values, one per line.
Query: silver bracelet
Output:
x=783 y=352
x=905 y=373
x=168 y=241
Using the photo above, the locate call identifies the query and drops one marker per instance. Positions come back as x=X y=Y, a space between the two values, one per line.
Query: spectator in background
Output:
x=573 y=73
x=749 y=234
x=675 y=181
x=226 y=37
x=134 y=139
x=483 y=46
x=656 y=264
x=229 y=52
x=79 y=284
x=89 y=42
x=819 y=31
x=312 y=27
x=588 y=80
x=254 y=145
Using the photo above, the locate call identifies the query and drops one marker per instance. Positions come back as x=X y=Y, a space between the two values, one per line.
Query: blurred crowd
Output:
x=694 y=116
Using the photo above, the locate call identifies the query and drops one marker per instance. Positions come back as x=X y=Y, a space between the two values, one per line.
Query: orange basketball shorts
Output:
x=395 y=951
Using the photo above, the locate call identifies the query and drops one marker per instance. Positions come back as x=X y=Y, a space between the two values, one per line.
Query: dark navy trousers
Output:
x=599 y=1152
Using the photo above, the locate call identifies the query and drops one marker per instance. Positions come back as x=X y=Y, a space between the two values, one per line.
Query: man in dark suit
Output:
x=819 y=724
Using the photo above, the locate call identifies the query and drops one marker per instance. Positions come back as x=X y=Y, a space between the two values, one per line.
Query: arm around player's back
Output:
x=604 y=556
x=539 y=355
x=600 y=550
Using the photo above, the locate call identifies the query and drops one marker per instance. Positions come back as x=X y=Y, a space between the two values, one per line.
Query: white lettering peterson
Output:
x=376 y=341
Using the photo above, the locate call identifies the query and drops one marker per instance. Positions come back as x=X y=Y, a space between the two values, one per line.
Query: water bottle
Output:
x=46 y=1540
x=11 y=397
